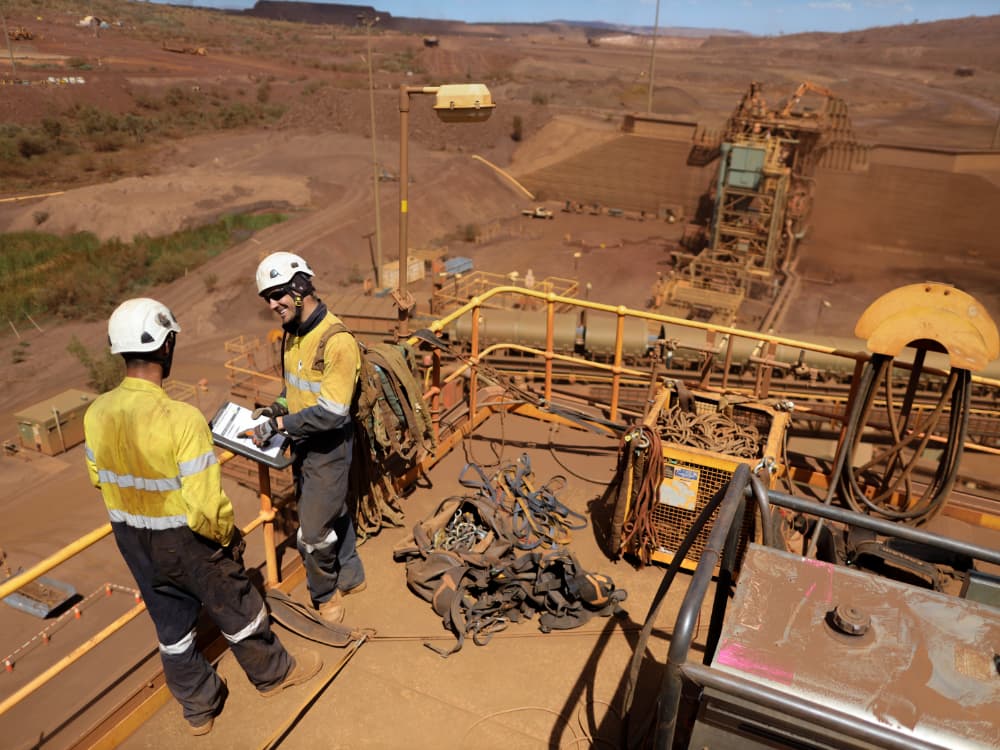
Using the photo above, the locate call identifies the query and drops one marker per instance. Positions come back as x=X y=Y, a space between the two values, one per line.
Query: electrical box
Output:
x=390 y=272
x=54 y=425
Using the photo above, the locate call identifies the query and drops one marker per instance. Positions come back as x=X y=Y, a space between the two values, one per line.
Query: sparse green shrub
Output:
x=105 y=143
x=470 y=232
x=235 y=116
x=145 y=101
x=104 y=371
x=80 y=277
x=176 y=97
x=40 y=217
x=517 y=131
x=29 y=146
x=52 y=127
x=211 y=281
x=264 y=92
x=539 y=98
x=312 y=87
x=78 y=63
x=92 y=121
x=135 y=126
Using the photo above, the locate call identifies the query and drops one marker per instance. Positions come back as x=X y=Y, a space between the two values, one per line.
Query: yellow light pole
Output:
x=461 y=102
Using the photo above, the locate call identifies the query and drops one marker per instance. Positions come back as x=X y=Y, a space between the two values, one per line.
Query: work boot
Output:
x=305 y=665
x=356 y=590
x=332 y=610
x=202 y=729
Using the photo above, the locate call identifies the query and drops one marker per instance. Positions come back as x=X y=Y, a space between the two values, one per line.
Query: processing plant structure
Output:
x=743 y=250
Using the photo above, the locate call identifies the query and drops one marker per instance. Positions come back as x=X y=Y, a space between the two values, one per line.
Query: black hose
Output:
x=959 y=390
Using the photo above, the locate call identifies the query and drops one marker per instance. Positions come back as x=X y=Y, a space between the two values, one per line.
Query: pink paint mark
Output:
x=816 y=563
x=828 y=569
x=739 y=657
x=812 y=587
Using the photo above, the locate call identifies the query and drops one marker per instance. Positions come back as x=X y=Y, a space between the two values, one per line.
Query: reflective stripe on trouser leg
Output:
x=192 y=681
x=237 y=608
x=323 y=479
x=152 y=557
x=259 y=652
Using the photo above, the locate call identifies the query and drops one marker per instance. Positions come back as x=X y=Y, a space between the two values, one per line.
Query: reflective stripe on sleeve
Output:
x=341 y=410
x=140 y=483
x=199 y=463
x=154 y=523
x=302 y=384
x=182 y=646
x=88 y=453
x=250 y=629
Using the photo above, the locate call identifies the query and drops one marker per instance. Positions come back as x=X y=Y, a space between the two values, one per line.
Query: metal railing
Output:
x=618 y=371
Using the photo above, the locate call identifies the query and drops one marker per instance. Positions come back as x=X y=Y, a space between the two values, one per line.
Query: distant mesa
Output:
x=347 y=15
x=343 y=15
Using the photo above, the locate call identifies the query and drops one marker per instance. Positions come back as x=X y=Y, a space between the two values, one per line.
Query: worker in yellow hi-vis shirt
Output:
x=153 y=460
x=321 y=364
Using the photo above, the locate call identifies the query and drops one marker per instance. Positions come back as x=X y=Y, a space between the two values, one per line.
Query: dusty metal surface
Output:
x=913 y=660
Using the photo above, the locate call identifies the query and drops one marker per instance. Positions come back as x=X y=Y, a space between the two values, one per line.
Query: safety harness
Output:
x=499 y=555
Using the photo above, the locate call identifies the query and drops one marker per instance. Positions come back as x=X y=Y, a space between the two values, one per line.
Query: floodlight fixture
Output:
x=463 y=102
x=457 y=102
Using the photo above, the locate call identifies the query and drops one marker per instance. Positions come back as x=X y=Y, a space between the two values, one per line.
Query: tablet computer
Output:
x=229 y=427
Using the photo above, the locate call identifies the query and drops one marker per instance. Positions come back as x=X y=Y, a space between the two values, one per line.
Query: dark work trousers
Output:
x=176 y=578
x=326 y=538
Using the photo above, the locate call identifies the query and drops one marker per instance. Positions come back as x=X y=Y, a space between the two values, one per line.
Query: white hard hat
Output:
x=278 y=269
x=140 y=325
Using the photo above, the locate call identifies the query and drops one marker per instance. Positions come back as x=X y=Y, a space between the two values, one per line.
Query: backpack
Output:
x=388 y=402
x=394 y=430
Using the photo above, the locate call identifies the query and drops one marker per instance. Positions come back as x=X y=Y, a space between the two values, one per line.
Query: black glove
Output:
x=263 y=432
x=237 y=546
x=278 y=409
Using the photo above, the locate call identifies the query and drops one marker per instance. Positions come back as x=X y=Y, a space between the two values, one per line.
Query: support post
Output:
x=267 y=511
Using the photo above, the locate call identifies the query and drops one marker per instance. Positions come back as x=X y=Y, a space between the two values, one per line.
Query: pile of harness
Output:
x=499 y=555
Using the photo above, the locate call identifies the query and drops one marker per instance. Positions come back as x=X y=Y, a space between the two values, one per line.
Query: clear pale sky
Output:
x=753 y=16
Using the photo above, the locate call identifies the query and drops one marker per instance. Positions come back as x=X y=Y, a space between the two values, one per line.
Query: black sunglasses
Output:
x=275 y=294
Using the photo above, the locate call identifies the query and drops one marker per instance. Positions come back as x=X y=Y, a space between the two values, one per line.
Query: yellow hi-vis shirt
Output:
x=153 y=460
x=332 y=389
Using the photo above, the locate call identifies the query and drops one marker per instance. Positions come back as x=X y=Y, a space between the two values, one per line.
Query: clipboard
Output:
x=228 y=424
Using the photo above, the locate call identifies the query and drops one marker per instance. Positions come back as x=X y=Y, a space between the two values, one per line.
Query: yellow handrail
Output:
x=36 y=571
x=13 y=584
x=81 y=650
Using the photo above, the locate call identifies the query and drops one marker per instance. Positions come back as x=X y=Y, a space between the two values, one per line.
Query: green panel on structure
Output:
x=745 y=167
